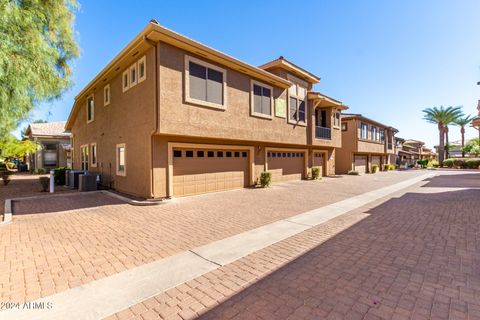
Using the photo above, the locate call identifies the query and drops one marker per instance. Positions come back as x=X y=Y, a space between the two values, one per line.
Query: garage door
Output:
x=319 y=161
x=360 y=164
x=198 y=171
x=286 y=166
x=378 y=161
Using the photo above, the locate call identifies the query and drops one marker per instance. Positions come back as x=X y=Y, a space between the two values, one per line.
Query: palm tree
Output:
x=462 y=122
x=442 y=117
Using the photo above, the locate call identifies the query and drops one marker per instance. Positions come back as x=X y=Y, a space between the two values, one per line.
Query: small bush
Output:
x=316 y=173
x=41 y=171
x=265 y=179
x=448 y=163
x=353 y=173
x=386 y=167
x=434 y=163
x=392 y=167
x=423 y=163
x=374 y=168
x=31 y=170
x=5 y=176
x=462 y=163
x=45 y=182
x=473 y=163
x=59 y=176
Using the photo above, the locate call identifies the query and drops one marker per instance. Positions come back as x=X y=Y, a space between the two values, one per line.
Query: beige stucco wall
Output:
x=129 y=119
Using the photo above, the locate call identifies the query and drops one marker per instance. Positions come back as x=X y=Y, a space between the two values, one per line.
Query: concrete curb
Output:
x=7 y=213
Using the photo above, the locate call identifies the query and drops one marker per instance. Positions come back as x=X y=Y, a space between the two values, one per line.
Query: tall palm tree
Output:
x=462 y=122
x=442 y=117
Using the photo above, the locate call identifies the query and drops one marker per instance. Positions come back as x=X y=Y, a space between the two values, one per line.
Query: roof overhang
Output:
x=153 y=32
x=361 y=117
x=321 y=100
x=292 y=68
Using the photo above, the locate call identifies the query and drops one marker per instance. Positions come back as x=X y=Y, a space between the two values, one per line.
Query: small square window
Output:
x=133 y=75
x=244 y=154
x=284 y=155
x=220 y=154
x=200 y=154
x=229 y=154
x=106 y=95
x=125 y=81
x=274 y=154
x=269 y=154
x=301 y=155
x=237 y=154
x=344 y=126
x=177 y=153
x=211 y=154
x=189 y=154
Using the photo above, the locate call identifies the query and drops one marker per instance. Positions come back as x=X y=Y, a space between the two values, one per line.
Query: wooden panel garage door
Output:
x=360 y=164
x=378 y=161
x=198 y=171
x=319 y=161
x=286 y=166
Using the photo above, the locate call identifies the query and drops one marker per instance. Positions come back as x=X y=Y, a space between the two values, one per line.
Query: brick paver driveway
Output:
x=412 y=256
x=56 y=249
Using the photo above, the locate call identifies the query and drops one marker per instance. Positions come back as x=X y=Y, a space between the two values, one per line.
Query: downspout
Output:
x=156 y=112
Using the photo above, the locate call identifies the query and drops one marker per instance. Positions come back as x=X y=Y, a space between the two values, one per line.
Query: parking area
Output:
x=64 y=243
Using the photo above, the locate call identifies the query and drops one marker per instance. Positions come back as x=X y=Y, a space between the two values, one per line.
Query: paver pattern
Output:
x=46 y=253
x=414 y=256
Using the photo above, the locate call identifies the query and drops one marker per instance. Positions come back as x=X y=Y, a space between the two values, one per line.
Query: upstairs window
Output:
x=142 y=69
x=106 y=95
x=297 y=105
x=344 y=126
x=364 y=131
x=336 y=119
x=262 y=101
x=205 y=83
x=125 y=81
x=90 y=109
x=133 y=75
x=374 y=134
x=93 y=154
x=382 y=135
x=121 y=160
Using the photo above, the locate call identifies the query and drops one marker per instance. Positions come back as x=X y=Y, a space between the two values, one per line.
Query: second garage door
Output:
x=198 y=171
x=286 y=166
x=378 y=161
x=360 y=164
x=319 y=161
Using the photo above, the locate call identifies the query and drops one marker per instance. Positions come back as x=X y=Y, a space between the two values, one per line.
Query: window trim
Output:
x=117 y=147
x=344 y=126
x=134 y=68
x=93 y=164
x=252 y=106
x=84 y=147
x=127 y=72
x=106 y=98
x=93 y=108
x=337 y=124
x=186 y=79
x=305 y=100
x=361 y=130
x=144 y=77
x=373 y=136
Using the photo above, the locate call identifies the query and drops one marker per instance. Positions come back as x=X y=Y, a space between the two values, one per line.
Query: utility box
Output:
x=87 y=182
x=73 y=178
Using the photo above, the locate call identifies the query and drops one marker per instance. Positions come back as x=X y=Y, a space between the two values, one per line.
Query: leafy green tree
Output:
x=12 y=148
x=462 y=122
x=442 y=117
x=36 y=45
x=473 y=147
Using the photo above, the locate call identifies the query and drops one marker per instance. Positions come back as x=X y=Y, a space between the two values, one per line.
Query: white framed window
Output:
x=93 y=154
x=121 y=161
x=261 y=100
x=336 y=119
x=364 y=131
x=90 y=109
x=125 y=80
x=374 y=133
x=133 y=75
x=205 y=83
x=84 y=156
x=106 y=95
x=297 y=109
x=382 y=135
x=142 y=69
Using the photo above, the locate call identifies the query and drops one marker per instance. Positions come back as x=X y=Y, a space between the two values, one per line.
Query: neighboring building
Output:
x=409 y=151
x=54 y=142
x=455 y=149
x=364 y=142
x=170 y=116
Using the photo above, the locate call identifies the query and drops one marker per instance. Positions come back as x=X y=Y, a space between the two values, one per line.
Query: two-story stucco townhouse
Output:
x=169 y=116
x=364 y=142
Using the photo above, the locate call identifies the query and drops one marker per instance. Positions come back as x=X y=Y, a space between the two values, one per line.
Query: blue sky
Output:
x=385 y=59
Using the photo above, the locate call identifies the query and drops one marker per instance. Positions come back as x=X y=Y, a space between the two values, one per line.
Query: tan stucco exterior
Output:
x=154 y=117
x=353 y=145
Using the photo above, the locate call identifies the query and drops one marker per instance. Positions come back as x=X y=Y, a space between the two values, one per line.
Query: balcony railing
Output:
x=389 y=146
x=323 y=133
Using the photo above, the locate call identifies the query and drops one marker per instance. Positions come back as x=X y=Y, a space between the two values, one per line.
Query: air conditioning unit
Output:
x=73 y=178
x=87 y=182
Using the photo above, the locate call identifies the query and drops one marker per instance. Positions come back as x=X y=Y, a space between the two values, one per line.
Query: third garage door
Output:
x=198 y=171
x=360 y=164
x=378 y=161
x=286 y=166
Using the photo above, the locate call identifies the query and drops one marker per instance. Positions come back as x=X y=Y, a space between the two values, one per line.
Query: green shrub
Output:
x=386 y=167
x=45 y=182
x=448 y=163
x=59 y=176
x=41 y=171
x=31 y=170
x=374 y=168
x=353 y=173
x=265 y=179
x=473 y=163
x=423 y=163
x=392 y=167
x=434 y=163
x=316 y=173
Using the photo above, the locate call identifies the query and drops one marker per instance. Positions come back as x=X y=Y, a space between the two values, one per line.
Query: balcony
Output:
x=389 y=146
x=323 y=133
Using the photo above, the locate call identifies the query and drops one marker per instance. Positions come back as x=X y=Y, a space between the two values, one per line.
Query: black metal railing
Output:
x=323 y=133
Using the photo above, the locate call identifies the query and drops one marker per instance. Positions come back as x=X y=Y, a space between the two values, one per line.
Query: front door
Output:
x=84 y=157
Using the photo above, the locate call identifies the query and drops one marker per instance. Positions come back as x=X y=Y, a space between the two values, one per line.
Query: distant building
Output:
x=54 y=143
